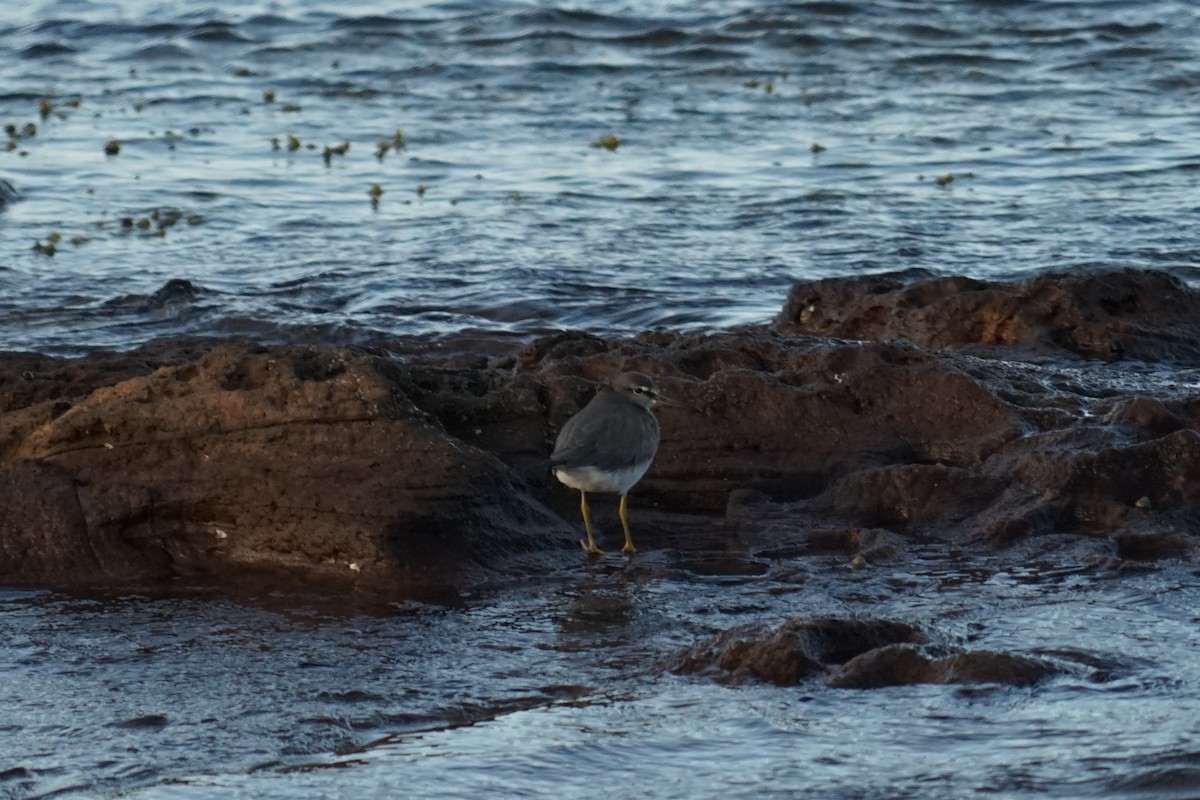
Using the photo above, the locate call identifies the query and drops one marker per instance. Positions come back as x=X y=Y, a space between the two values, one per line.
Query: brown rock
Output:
x=796 y=421
x=1149 y=417
x=44 y=531
x=1107 y=315
x=833 y=640
x=898 y=665
x=732 y=657
x=291 y=460
x=187 y=456
x=853 y=653
x=1156 y=544
x=801 y=647
x=872 y=545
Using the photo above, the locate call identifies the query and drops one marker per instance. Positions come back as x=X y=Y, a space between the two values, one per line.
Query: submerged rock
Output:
x=799 y=648
x=851 y=654
x=897 y=665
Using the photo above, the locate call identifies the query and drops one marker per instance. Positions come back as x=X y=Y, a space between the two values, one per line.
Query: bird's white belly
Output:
x=590 y=479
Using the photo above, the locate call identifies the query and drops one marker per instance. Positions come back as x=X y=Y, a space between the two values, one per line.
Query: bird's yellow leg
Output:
x=628 y=549
x=589 y=546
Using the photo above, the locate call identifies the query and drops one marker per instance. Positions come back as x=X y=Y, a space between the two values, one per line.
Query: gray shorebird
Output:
x=608 y=446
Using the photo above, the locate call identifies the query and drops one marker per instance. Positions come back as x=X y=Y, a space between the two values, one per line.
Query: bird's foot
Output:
x=590 y=548
x=628 y=549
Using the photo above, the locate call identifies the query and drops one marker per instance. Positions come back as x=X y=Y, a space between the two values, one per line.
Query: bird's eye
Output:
x=638 y=390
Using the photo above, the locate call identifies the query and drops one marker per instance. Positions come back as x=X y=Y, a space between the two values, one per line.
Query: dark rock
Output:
x=736 y=656
x=1149 y=417
x=27 y=380
x=803 y=416
x=831 y=640
x=45 y=533
x=1156 y=544
x=801 y=647
x=853 y=653
x=289 y=460
x=898 y=665
x=873 y=544
x=191 y=456
x=147 y=722
x=1106 y=315
x=175 y=292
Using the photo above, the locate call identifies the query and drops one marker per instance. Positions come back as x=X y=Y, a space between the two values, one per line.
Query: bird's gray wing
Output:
x=607 y=441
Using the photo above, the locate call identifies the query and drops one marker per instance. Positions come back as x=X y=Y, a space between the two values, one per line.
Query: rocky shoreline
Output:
x=1059 y=414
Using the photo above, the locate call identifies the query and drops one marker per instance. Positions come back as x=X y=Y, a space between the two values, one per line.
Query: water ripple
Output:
x=769 y=143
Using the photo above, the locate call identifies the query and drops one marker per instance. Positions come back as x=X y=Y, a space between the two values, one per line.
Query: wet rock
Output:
x=736 y=656
x=852 y=654
x=1107 y=315
x=1148 y=417
x=147 y=722
x=880 y=436
x=872 y=545
x=832 y=640
x=786 y=416
x=289 y=460
x=899 y=665
x=192 y=456
x=29 y=380
x=904 y=494
x=801 y=647
x=1156 y=544
x=175 y=292
x=44 y=531
x=174 y=297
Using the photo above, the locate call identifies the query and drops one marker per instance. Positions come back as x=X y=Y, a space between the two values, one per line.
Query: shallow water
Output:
x=1067 y=127
x=544 y=687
